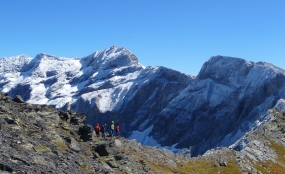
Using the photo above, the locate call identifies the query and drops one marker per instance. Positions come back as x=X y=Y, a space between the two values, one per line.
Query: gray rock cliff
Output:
x=223 y=103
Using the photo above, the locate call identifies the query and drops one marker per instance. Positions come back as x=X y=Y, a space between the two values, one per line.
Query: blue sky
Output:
x=180 y=35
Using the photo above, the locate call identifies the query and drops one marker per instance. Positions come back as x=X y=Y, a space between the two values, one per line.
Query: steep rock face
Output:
x=134 y=103
x=220 y=105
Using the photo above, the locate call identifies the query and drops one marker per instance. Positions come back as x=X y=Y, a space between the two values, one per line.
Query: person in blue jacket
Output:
x=112 y=128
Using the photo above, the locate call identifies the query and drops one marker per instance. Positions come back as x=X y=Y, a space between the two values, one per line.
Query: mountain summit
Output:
x=155 y=105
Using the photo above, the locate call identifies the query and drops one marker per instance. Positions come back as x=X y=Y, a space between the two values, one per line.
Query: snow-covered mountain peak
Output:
x=55 y=80
x=115 y=52
x=225 y=69
x=21 y=56
x=18 y=58
x=44 y=56
x=14 y=63
x=233 y=65
x=215 y=63
x=110 y=59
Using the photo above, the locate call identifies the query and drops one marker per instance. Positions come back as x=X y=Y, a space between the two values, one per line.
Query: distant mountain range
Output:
x=156 y=105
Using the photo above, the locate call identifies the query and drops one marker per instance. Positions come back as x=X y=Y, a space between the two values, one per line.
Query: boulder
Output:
x=18 y=99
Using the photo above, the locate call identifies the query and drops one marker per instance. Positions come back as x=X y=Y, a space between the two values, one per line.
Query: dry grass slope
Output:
x=278 y=166
x=207 y=167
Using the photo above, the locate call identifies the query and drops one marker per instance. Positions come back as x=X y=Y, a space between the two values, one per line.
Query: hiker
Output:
x=112 y=127
x=103 y=130
x=117 y=129
x=97 y=129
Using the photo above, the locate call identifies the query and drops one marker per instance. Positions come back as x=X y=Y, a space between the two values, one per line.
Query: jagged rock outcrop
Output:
x=38 y=139
x=18 y=99
x=35 y=139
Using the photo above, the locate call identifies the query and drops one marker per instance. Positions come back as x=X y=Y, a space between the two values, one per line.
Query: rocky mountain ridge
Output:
x=229 y=97
x=39 y=139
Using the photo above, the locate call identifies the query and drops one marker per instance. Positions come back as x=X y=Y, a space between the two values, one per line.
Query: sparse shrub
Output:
x=88 y=153
x=42 y=147
x=83 y=166
x=61 y=147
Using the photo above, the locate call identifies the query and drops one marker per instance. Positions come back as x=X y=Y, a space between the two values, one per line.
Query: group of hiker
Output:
x=102 y=130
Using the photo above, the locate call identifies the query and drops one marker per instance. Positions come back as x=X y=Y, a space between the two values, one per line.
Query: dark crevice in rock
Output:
x=4 y=167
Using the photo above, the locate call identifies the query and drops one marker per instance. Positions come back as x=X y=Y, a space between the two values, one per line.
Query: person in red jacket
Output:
x=117 y=129
x=97 y=129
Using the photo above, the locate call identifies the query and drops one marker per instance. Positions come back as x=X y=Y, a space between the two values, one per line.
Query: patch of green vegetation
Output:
x=156 y=167
x=96 y=139
x=119 y=171
x=66 y=132
x=203 y=166
x=20 y=121
x=81 y=142
x=89 y=146
x=88 y=153
x=27 y=135
x=266 y=167
x=26 y=147
x=103 y=159
x=261 y=168
x=164 y=168
x=270 y=166
x=61 y=147
x=36 y=134
x=30 y=133
x=84 y=167
x=7 y=127
x=42 y=147
x=280 y=150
